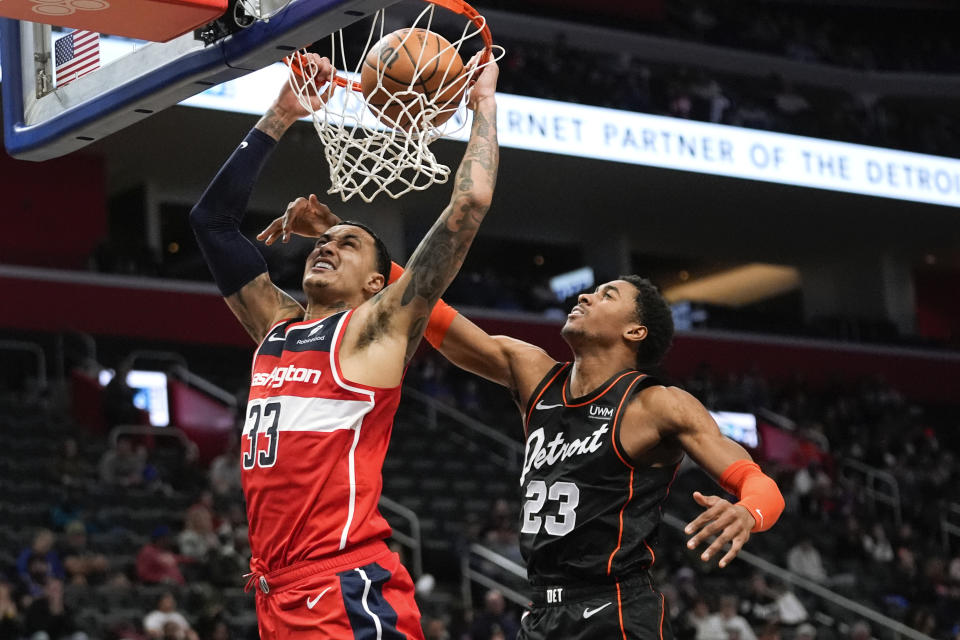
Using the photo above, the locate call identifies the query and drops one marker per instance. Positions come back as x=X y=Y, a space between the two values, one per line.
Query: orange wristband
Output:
x=756 y=491
x=440 y=318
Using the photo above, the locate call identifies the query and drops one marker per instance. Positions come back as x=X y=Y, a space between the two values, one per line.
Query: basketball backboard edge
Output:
x=153 y=78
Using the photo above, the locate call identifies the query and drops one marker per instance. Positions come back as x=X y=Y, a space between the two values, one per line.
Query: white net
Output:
x=384 y=146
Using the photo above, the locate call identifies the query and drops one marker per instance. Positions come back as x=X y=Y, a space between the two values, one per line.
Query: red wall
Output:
x=155 y=310
x=207 y=422
x=53 y=212
x=45 y=305
x=938 y=304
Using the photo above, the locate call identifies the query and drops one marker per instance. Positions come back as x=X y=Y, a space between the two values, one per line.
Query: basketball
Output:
x=408 y=70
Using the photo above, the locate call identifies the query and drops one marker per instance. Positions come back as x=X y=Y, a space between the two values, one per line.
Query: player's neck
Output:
x=319 y=311
x=592 y=368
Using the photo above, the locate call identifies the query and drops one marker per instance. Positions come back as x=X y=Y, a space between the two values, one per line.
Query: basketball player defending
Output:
x=603 y=443
x=326 y=383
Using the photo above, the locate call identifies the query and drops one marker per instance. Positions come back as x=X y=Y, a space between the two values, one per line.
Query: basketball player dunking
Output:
x=325 y=385
x=603 y=443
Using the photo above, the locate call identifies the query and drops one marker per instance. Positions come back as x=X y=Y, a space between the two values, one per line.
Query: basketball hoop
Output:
x=369 y=149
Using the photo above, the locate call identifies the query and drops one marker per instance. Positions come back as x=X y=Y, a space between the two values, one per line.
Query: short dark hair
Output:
x=653 y=312
x=383 y=256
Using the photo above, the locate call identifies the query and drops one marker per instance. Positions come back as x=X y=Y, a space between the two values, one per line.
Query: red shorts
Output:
x=361 y=594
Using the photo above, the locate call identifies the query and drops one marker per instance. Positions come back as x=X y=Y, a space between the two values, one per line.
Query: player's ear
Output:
x=375 y=283
x=635 y=333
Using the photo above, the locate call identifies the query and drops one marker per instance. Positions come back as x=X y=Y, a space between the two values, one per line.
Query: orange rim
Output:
x=294 y=61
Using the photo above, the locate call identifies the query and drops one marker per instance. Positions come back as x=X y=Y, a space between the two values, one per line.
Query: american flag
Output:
x=77 y=54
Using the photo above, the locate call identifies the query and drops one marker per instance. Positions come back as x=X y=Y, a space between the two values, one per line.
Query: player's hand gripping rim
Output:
x=307 y=217
x=483 y=78
x=730 y=523
x=315 y=86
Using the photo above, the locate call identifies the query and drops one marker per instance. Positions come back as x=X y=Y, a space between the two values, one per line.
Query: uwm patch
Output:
x=601 y=412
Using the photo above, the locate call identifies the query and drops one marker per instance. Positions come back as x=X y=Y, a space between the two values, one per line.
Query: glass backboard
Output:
x=135 y=79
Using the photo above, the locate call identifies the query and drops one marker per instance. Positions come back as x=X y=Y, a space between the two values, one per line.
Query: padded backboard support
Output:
x=155 y=20
x=157 y=76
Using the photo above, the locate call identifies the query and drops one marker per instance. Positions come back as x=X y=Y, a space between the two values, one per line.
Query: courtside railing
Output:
x=950 y=523
x=470 y=572
x=897 y=628
x=478 y=556
x=506 y=450
x=876 y=484
x=411 y=538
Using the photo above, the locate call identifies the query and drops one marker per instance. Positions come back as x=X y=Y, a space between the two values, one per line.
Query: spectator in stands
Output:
x=812 y=486
x=41 y=548
x=233 y=553
x=198 y=538
x=118 y=406
x=849 y=546
x=790 y=104
x=156 y=563
x=122 y=466
x=686 y=584
x=805 y=560
x=494 y=619
x=80 y=562
x=906 y=578
x=876 y=545
x=790 y=611
x=806 y=631
x=769 y=631
x=166 y=623
x=735 y=625
x=436 y=628
x=705 y=625
x=71 y=467
x=673 y=606
x=225 y=472
x=212 y=628
x=707 y=91
x=501 y=532
x=33 y=582
x=47 y=618
x=205 y=503
x=759 y=604
x=10 y=622
x=860 y=631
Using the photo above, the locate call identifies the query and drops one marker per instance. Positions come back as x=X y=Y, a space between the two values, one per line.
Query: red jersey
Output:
x=313 y=447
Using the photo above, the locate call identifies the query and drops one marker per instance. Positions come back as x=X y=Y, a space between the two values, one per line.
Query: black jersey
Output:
x=589 y=514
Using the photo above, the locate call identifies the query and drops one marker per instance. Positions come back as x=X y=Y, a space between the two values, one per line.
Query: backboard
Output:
x=43 y=121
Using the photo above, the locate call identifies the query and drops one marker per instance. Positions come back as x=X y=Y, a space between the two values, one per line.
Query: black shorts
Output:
x=628 y=610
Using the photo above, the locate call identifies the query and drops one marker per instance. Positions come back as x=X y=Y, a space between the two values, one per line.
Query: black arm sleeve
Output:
x=231 y=257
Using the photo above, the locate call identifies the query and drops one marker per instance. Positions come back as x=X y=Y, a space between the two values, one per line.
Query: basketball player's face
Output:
x=603 y=315
x=340 y=265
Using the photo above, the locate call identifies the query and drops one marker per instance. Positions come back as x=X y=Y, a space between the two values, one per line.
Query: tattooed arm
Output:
x=388 y=327
x=237 y=266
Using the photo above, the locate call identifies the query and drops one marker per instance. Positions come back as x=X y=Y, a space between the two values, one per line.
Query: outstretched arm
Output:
x=440 y=254
x=386 y=329
x=507 y=361
x=681 y=417
x=237 y=266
